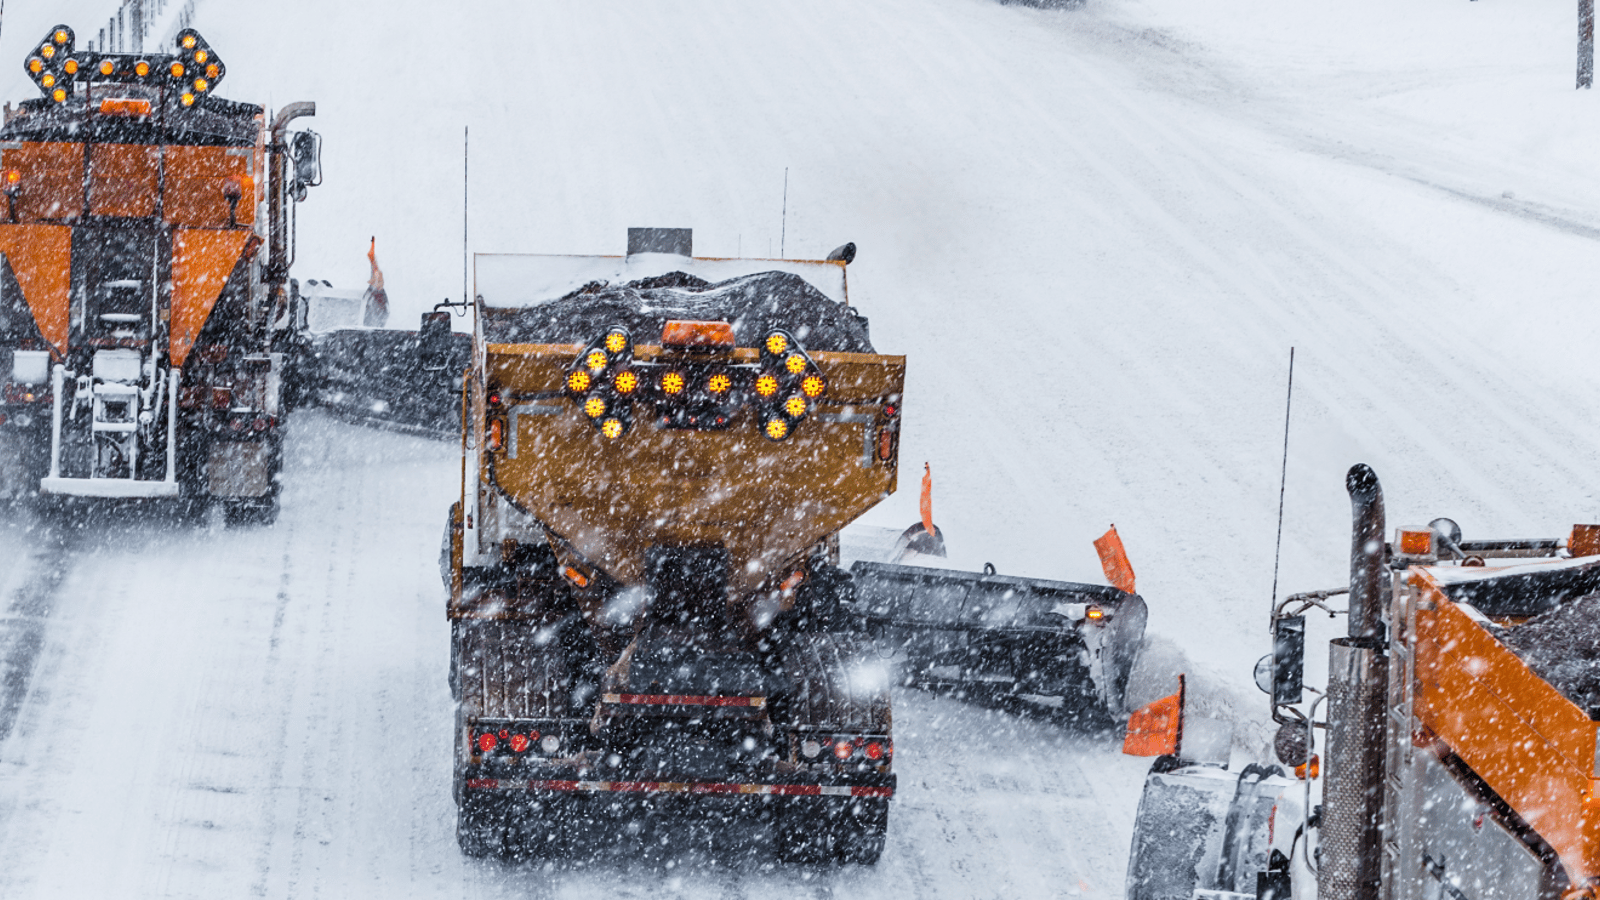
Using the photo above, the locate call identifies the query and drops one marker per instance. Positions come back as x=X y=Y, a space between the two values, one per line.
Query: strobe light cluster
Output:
x=689 y=387
x=604 y=382
x=57 y=67
x=788 y=385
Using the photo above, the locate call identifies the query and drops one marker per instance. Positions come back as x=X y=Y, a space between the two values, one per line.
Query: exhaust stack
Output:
x=1357 y=699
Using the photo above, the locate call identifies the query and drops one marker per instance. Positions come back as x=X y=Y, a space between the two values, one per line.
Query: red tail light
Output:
x=261 y=424
x=237 y=424
x=486 y=742
x=519 y=742
x=874 y=750
x=843 y=748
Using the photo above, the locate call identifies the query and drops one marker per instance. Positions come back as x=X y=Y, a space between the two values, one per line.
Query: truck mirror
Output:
x=1288 y=659
x=306 y=150
x=433 y=341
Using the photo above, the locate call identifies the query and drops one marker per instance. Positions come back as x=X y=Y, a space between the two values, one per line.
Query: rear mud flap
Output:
x=240 y=469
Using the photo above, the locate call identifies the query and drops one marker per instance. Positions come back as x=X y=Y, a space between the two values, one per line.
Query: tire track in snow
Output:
x=26 y=620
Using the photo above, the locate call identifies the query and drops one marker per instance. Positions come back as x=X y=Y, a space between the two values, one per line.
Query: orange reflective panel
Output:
x=41 y=258
x=202 y=260
x=1585 y=540
x=684 y=333
x=1157 y=728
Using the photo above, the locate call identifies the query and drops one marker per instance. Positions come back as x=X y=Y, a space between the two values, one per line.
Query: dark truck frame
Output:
x=772 y=735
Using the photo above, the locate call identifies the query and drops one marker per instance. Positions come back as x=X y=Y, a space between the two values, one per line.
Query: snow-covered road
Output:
x=255 y=712
x=1095 y=233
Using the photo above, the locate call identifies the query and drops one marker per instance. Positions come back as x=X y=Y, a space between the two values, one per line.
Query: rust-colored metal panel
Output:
x=1527 y=741
x=1585 y=540
x=199 y=182
x=41 y=258
x=202 y=260
x=767 y=503
x=123 y=179
x=50 y=186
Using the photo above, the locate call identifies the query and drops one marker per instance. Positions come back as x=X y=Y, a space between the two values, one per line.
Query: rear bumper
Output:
x=881 y=787
x=114 y=488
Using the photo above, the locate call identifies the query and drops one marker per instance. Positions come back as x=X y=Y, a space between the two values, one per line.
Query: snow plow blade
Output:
x=1004 y=634
x=406 y=381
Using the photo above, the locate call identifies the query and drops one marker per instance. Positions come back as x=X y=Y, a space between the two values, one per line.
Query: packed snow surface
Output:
x=1095 y=233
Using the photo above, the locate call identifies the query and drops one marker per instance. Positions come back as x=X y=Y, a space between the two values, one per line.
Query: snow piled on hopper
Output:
x=805 y=299
x=1563 y=648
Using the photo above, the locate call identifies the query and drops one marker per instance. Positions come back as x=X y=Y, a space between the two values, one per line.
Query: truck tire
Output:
x=821 y=601
x=260 y=511
x=802 y=835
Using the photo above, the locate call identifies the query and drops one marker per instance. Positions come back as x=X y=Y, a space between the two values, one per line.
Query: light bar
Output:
x=697 y=335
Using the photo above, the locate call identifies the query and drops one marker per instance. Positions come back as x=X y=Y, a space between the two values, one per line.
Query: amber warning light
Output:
x=122 y=106
x=57 y=67
x=1416 y=543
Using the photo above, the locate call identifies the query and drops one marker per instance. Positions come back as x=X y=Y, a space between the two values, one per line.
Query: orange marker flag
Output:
x=927 y=499
x=375 y=281
x=1157 y=728
x=1114 y=560
x=375 y=311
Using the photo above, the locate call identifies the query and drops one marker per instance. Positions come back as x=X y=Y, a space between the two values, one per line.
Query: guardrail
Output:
x=136 y=21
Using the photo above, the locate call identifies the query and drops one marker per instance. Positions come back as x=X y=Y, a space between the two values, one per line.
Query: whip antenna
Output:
x=1283 y=479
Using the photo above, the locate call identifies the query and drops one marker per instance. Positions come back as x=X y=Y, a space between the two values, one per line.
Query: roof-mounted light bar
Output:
x=57 y=67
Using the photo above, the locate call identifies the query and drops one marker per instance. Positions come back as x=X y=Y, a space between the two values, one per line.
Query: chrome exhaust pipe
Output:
x=1352 y=817
x=58 y=385
x=1369 y=574
x=174 y=381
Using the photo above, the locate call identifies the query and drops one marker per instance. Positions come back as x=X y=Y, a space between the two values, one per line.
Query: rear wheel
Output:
x=801 y=835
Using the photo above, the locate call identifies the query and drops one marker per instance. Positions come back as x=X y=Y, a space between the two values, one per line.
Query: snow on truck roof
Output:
x=1466 y=574
x=513 y=280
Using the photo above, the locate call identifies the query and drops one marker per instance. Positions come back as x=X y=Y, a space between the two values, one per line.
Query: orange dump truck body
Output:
x=1475 y=698
x=138 y=306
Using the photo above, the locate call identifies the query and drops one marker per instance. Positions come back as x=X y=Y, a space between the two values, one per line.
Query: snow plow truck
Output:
x=645 y=595
x=651 y=620
x=1460 y=721
x=146 y=241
